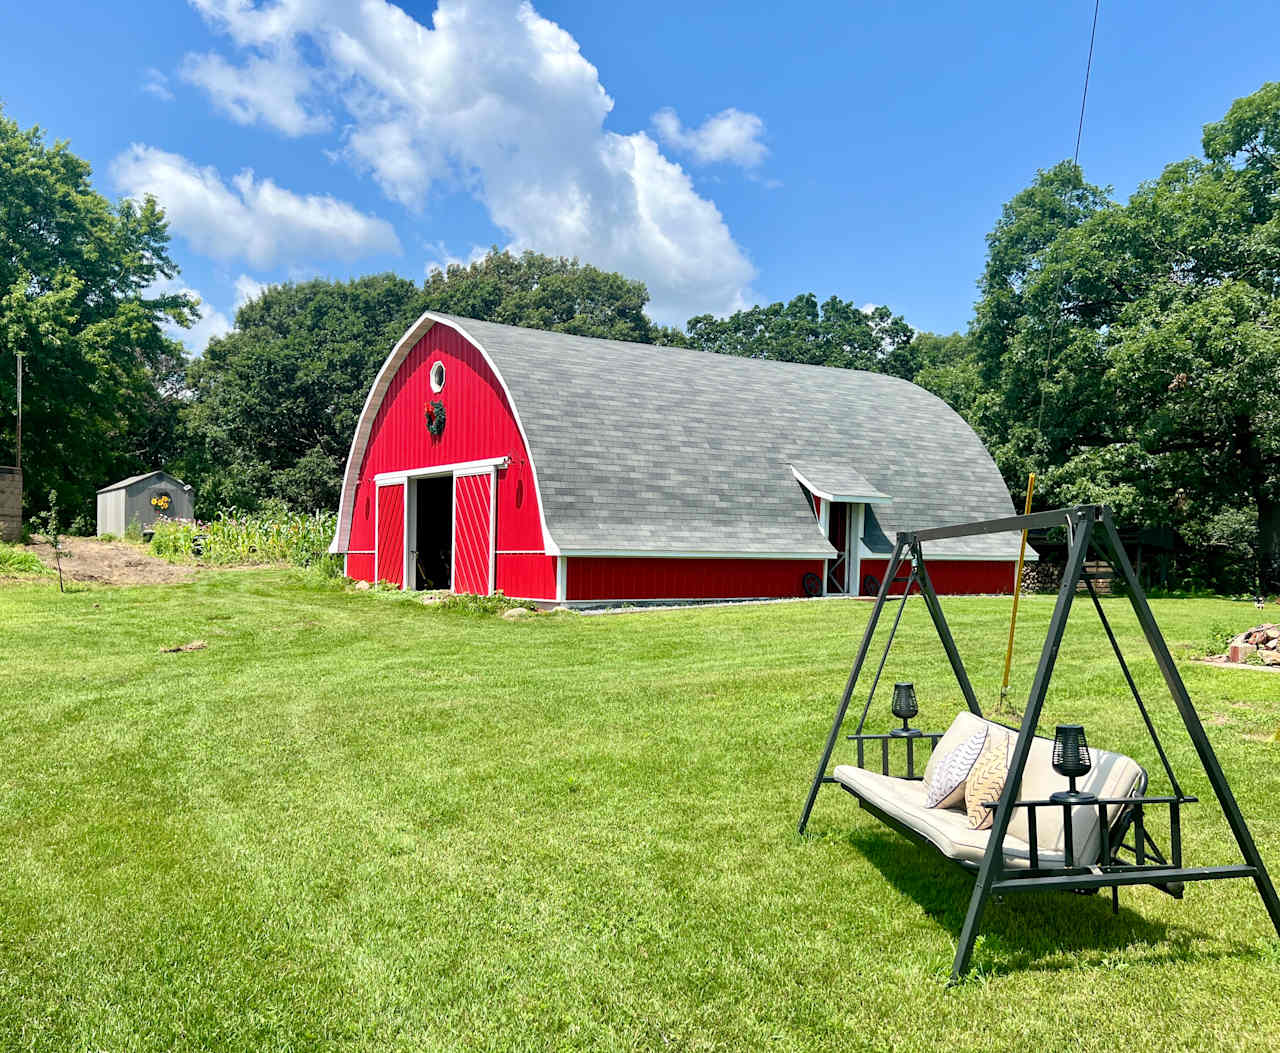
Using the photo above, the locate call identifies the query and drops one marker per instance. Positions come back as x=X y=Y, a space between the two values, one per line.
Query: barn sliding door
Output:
x=389 y=532
x=473 y=533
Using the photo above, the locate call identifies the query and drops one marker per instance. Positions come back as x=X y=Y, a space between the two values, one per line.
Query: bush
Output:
x=133 y=532
x=81 y=526
x=108 y=537
x=19 y=561
x=272 y=535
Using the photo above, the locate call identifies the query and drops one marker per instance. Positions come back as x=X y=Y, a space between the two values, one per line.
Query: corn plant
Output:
x=272 y=534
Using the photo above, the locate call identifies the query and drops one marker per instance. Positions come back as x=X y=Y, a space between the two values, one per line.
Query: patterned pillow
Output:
x=944 y=781
x=986 y=781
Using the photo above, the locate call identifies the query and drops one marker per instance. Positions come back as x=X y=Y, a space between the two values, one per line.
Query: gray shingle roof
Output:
x=840 y=481
x=648 y=449
x=129 y=482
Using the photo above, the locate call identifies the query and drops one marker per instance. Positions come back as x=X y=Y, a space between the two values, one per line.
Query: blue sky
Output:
x=726 y=153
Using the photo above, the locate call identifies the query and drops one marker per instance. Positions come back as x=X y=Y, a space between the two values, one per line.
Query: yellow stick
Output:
x=1017 y=591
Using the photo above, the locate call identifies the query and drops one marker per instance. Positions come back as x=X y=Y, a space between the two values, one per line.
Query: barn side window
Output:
x=437 y=376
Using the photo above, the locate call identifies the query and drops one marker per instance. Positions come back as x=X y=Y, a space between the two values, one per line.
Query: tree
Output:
x=77 y=300
x=836 y=334
x=1148 y=333
x=274 y=403
x=545 y=292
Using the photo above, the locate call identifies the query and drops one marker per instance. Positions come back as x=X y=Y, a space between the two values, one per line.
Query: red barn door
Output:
x=473 y=534
x=390 y=534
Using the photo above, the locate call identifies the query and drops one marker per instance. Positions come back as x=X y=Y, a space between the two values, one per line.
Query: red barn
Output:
x=572 y=470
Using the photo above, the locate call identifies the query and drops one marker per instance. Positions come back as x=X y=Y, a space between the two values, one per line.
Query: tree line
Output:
x=1126 y=352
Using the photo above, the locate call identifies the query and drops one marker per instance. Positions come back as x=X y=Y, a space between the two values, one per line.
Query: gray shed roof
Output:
x=139 y=478
x=665 y=450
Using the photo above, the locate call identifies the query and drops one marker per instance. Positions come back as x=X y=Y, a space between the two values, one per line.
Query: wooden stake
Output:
x=1017 y=591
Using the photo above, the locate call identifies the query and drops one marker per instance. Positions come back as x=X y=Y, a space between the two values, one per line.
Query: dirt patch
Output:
x=92 y=561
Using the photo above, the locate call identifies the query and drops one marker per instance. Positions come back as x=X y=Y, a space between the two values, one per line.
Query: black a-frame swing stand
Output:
x=1090 y=527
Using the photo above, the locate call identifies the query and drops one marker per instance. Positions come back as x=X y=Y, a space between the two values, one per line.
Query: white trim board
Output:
x=662 y=554
x=872 y=497
x=458 y=468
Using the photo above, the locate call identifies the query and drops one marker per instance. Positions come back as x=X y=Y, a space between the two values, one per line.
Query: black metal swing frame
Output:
x=1088 y=527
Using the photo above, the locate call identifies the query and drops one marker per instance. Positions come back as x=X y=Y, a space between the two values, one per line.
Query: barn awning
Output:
x=837 y=482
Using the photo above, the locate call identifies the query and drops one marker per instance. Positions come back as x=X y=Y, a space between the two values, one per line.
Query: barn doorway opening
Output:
x=838 y=534
x=432 y=552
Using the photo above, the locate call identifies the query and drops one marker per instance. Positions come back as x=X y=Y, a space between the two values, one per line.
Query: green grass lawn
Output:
x=355 y=822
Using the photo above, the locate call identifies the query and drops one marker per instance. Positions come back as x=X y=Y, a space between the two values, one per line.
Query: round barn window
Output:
x=437 y=376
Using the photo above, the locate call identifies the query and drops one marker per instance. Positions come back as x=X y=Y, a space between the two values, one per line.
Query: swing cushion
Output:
x=903 y=800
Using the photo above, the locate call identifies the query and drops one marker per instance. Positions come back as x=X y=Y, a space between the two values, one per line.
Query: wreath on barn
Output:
x=435 y=417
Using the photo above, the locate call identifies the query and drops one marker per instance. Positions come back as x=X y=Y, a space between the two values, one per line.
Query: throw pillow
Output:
x=944 y=781
x=986 y=780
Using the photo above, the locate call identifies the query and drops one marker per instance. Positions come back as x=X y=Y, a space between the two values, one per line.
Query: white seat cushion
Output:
x=1112 y=775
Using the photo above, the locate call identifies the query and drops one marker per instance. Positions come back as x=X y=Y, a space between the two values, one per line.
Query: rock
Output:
x=363 y=586
x=1273 y=632
x=1237 y=651
x=1270 y=657
x=516 y=613
x=562 y=609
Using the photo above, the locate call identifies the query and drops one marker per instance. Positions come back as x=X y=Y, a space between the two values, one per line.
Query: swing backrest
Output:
x=1112 y=775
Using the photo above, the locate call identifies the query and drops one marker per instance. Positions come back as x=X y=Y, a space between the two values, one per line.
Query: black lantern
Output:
x=1071 y=759
x=904 y=708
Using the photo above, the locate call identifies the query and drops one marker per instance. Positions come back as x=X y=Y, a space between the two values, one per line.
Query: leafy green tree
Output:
x=274 y=403
x=837 y=333
x=77 y=301
x=545 y=292
x=1148 y=334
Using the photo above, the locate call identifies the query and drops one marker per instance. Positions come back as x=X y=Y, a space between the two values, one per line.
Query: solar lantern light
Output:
x=1071 y=759
x=904 y=708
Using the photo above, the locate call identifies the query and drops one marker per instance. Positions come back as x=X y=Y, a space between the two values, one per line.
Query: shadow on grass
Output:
x=1039 y=931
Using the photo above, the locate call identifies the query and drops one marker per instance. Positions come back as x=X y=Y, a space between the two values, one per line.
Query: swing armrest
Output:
x=932 y=737
x=1111 y=829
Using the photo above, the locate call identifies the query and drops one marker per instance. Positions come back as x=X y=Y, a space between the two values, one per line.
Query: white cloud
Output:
x=156 y=83
x=212 y=323
x=495 y=99
x=731 y=135
x=269 y=90
x=248 y=288
x=252 y=219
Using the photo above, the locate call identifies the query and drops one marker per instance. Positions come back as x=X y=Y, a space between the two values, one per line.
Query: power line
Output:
x=1075 y=161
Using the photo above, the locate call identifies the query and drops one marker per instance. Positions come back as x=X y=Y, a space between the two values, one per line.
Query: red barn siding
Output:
x=955 y=576
x=527 y=575
x=360 y=566
x=654 y=578
x=479 y=424
x=471 y=551
x=391 y=534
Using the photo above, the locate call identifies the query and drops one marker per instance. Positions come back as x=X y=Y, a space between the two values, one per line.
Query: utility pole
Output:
x=18 y=443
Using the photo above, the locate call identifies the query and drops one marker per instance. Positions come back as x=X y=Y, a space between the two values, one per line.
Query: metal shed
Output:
x=144 y=498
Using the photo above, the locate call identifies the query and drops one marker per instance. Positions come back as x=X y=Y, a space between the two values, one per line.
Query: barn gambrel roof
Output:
x=639 y=449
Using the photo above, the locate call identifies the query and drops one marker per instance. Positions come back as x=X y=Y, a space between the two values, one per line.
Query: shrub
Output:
x=133 y=532
x=19 y=561
x=108 y=537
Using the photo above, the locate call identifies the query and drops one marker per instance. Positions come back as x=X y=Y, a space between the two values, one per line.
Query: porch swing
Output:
x=1097 y=834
